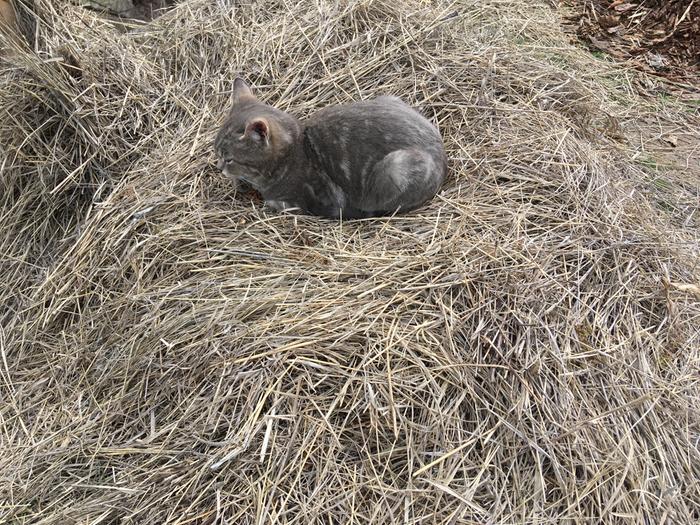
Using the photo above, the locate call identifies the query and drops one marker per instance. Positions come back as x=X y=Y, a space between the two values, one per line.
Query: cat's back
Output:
x=384 y=104
x=359 y=133
x=386 y=117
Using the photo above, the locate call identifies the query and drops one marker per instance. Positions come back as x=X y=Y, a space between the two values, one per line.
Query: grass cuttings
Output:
x=524 y=349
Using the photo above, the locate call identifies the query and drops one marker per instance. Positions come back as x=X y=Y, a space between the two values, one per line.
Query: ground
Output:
x=660 y=36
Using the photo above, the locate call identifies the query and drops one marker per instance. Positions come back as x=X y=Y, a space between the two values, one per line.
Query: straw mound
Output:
x=524 y=349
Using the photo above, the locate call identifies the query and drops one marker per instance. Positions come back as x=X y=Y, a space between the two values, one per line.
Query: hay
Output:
x=524 y=349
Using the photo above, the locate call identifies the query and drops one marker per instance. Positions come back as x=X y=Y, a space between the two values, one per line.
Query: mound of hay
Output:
x=525 y=349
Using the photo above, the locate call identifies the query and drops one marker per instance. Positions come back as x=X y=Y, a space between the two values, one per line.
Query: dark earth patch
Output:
x=659 y=36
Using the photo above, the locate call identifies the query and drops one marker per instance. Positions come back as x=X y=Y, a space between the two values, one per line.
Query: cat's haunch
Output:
x=364 y=159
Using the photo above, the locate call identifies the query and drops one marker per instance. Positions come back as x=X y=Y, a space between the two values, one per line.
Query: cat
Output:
x=364 y=159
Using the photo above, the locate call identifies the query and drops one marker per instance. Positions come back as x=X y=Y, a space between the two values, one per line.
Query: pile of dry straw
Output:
x=525 y=349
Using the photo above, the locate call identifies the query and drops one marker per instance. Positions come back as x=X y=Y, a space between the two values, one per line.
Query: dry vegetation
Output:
x=660 y=36
x=525 y=349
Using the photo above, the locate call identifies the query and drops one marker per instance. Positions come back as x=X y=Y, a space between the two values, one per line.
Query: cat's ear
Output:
x=241 y=91
x=258 y=130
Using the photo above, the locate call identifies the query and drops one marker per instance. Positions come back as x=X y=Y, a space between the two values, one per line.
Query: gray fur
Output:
x=358 y=160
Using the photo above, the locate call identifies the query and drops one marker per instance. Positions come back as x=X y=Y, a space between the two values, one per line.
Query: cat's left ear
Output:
x=241 y=91
x=258 y=130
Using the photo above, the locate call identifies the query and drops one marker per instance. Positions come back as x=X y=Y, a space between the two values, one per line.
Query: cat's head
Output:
x=253 y=138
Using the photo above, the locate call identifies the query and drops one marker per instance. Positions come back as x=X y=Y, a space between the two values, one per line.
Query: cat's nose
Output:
x=220 y=164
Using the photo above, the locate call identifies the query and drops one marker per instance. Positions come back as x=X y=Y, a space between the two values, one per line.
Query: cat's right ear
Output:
x=258 y=130
x=241 y=91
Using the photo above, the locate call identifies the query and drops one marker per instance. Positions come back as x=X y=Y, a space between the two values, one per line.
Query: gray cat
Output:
x=364 y=159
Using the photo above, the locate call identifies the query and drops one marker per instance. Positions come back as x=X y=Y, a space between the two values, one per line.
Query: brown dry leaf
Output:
x=609 y=20
x=600 y=44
